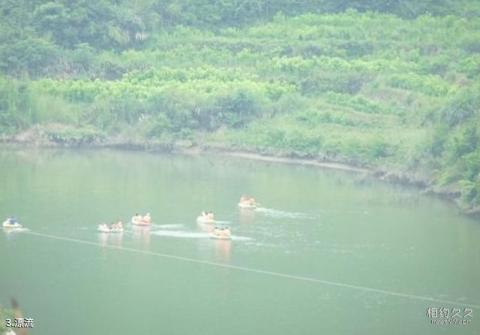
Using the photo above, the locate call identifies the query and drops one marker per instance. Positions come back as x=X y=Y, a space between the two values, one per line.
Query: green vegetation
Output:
x=5 y=314
x=385 y=84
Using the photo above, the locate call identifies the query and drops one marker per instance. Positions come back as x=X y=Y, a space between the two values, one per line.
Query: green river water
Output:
x=327 y=252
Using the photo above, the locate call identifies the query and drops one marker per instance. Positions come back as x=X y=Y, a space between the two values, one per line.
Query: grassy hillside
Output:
x=393 y=91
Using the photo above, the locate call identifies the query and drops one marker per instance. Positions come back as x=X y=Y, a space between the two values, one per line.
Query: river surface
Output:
x=326 y=252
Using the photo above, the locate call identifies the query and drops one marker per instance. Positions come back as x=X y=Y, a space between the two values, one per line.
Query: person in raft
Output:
x=118 y=225
x=247 y=200
x=147 y=218
x=207 y=216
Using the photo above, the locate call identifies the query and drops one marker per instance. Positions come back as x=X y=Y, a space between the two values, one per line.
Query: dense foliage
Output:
x=392 y=84
x=5 y=314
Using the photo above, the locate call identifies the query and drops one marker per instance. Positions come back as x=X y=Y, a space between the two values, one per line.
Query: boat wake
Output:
x=192 y=235
x=222 y=222
x=279 y=214
x=180 y=234
x=15 y=230
x=168 y=226
x=241 y=238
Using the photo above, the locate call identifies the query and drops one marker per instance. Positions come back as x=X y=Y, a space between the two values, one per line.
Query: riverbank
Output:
x=38 y=138
x=318 y=87
x=41 y=137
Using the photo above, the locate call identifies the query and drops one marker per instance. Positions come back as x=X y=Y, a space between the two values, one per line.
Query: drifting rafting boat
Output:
x=11 y=224
x=139 y=220
x=221 y=234
x=104 y=228
x=206 y=217
x=247 y=202
x=247 y=205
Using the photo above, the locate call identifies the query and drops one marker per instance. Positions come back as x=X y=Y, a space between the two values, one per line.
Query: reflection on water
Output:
x=318 y=224
x=110 y=239
x=223 y=248
x=11 y=233
x=246 y=216
x=206 y=227
x=141 y=234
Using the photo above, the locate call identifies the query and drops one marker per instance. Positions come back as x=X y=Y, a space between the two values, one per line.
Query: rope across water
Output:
x=263 y=272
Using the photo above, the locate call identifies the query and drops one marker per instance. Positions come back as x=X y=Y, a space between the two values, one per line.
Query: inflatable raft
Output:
x=11 y=225
x=247 y=205
x=141 y=222
x=205 y=219
x=103 y=228
x=221 y=234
